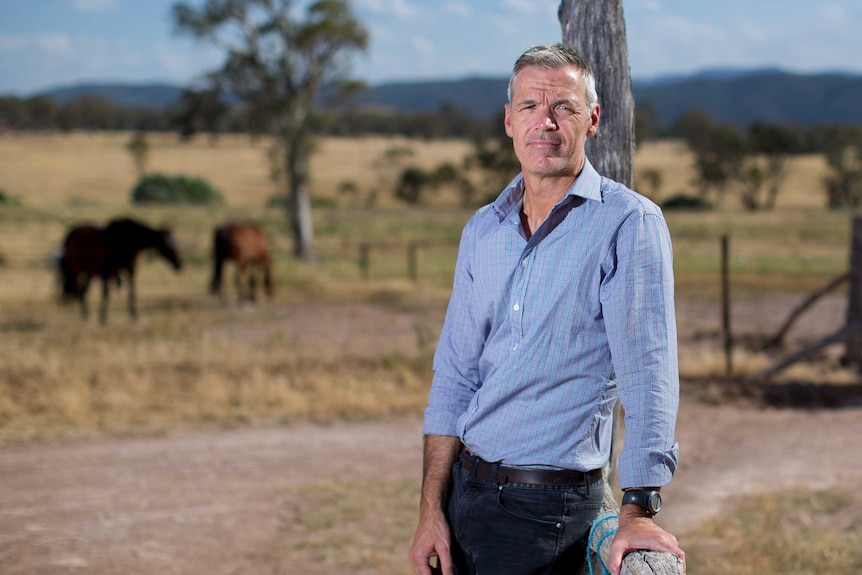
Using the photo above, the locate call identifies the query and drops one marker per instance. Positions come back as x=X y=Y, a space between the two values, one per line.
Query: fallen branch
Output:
x=776 y=368
x=778 y=339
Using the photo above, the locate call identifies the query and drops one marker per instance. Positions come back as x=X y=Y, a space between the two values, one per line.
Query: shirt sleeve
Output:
x=638 y=306
x=456 y=359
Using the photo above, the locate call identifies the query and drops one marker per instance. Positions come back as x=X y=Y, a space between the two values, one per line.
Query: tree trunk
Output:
x=597 y=30
x=299 y=203
x=301 y=223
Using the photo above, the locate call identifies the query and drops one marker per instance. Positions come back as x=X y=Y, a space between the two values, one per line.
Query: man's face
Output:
x=549 y=122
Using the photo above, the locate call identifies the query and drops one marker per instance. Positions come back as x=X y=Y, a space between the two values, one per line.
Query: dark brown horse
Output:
x=246 y=245
x=110 y=253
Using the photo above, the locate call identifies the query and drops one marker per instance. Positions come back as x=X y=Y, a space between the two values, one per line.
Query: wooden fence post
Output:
x=364 y=259
x=413 y=261
x=853 y=349
x=725 y=305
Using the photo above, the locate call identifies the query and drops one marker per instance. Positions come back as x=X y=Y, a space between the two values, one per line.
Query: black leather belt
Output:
x=478 y=467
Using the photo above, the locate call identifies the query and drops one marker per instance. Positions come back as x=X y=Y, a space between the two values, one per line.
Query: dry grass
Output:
x=54 y=172
x=327 y=526
x=189 y=361
x=793 y=533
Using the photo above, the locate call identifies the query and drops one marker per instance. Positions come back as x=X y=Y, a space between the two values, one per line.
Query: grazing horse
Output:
x=110 y=253
x=247 y=246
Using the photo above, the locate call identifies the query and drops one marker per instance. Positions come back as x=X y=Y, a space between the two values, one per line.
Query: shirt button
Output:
x=524 y=262
x=516 y=307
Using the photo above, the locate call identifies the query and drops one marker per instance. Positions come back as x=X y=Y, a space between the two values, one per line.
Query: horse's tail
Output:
x=218 y=255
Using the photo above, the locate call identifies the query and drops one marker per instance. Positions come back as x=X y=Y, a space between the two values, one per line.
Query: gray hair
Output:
x=554 y=57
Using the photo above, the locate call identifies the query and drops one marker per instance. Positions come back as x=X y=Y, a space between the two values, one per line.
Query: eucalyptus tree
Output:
x=277 y=61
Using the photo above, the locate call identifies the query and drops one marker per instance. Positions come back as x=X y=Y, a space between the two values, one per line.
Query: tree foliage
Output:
x=753 y=164
x=201 y=110
x=163 y=189
x=843 y=152
x=277 y=64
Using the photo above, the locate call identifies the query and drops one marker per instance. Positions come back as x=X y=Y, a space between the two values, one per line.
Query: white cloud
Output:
x=832 y=13
x=459 y=9
x=519 y=5
x=650 y=5
x=95 y=5
x=54 y=44
x=402 y=9
x=422 y=44
x=398 y=8
x=375 y=6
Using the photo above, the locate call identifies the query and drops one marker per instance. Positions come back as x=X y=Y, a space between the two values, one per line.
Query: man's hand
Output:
x=638 y=531
x=432 y=539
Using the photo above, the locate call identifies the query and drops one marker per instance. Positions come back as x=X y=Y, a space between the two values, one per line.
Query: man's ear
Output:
x=507 y=119
x=594 y=121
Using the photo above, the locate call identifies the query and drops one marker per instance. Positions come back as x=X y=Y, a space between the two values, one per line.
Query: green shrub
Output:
x=162 y=189
x=280 y=201
x=7 y=200
x=686 y=202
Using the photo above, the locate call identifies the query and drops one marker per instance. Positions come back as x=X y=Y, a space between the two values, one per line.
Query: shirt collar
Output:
x=587 y=185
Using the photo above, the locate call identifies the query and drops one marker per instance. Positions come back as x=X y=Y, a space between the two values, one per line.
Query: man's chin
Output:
x=551 y=170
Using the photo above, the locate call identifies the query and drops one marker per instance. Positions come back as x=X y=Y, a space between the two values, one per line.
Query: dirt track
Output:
x=213 y=502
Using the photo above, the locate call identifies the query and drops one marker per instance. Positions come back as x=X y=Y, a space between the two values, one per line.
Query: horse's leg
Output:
x=81 y=287
x=252 y=284
x=215 y=283
x=103 y=305
x=237 y=277
x=133 y=309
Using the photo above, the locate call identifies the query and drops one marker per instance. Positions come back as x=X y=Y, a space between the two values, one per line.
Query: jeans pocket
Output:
x=541 y=506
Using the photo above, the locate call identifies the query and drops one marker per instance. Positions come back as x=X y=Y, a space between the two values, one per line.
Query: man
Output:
x=562 y=302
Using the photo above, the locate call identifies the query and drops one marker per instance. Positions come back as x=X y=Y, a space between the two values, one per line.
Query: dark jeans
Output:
x=519 y=529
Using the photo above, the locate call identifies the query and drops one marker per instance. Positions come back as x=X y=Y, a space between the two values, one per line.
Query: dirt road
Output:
x=219 y=502
x=213 y=502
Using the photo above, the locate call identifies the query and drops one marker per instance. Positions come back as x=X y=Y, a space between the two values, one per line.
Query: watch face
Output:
x=655 y=502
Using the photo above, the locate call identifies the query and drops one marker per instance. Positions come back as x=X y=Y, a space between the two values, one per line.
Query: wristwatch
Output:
x=647 y=499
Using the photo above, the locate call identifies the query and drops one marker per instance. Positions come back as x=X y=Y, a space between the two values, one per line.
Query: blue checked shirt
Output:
x=542 y=335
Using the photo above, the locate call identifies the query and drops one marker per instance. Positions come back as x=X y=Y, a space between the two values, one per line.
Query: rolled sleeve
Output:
x=638 y=302
x=456 y=359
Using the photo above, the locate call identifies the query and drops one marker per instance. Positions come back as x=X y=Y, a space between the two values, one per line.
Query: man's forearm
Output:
x=439 y=455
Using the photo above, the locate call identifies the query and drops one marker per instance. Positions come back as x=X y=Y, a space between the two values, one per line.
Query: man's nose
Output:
x=548 y=120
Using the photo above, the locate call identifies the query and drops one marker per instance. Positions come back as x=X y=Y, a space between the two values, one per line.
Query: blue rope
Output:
x=605 y=570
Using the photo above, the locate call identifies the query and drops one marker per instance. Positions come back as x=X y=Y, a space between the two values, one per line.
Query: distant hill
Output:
x=127 y=95
x=480 y=97
x=771 y=96
x=733 y=97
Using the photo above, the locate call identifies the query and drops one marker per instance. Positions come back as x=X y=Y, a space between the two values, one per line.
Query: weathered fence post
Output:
x=725 y=305
x=413 y=261
x=364 y=259
x=853 y=349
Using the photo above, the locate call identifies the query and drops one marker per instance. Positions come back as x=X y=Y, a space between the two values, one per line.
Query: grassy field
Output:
x=333 y=344
x=174 y=363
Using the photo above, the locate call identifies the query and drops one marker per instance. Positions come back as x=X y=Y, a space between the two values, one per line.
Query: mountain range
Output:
x=733 y=97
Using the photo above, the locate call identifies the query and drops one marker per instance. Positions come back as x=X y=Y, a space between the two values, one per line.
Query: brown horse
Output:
x=110 y=253
x=247 y=246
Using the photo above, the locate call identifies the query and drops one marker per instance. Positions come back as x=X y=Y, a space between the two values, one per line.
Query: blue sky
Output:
x=46 y=43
